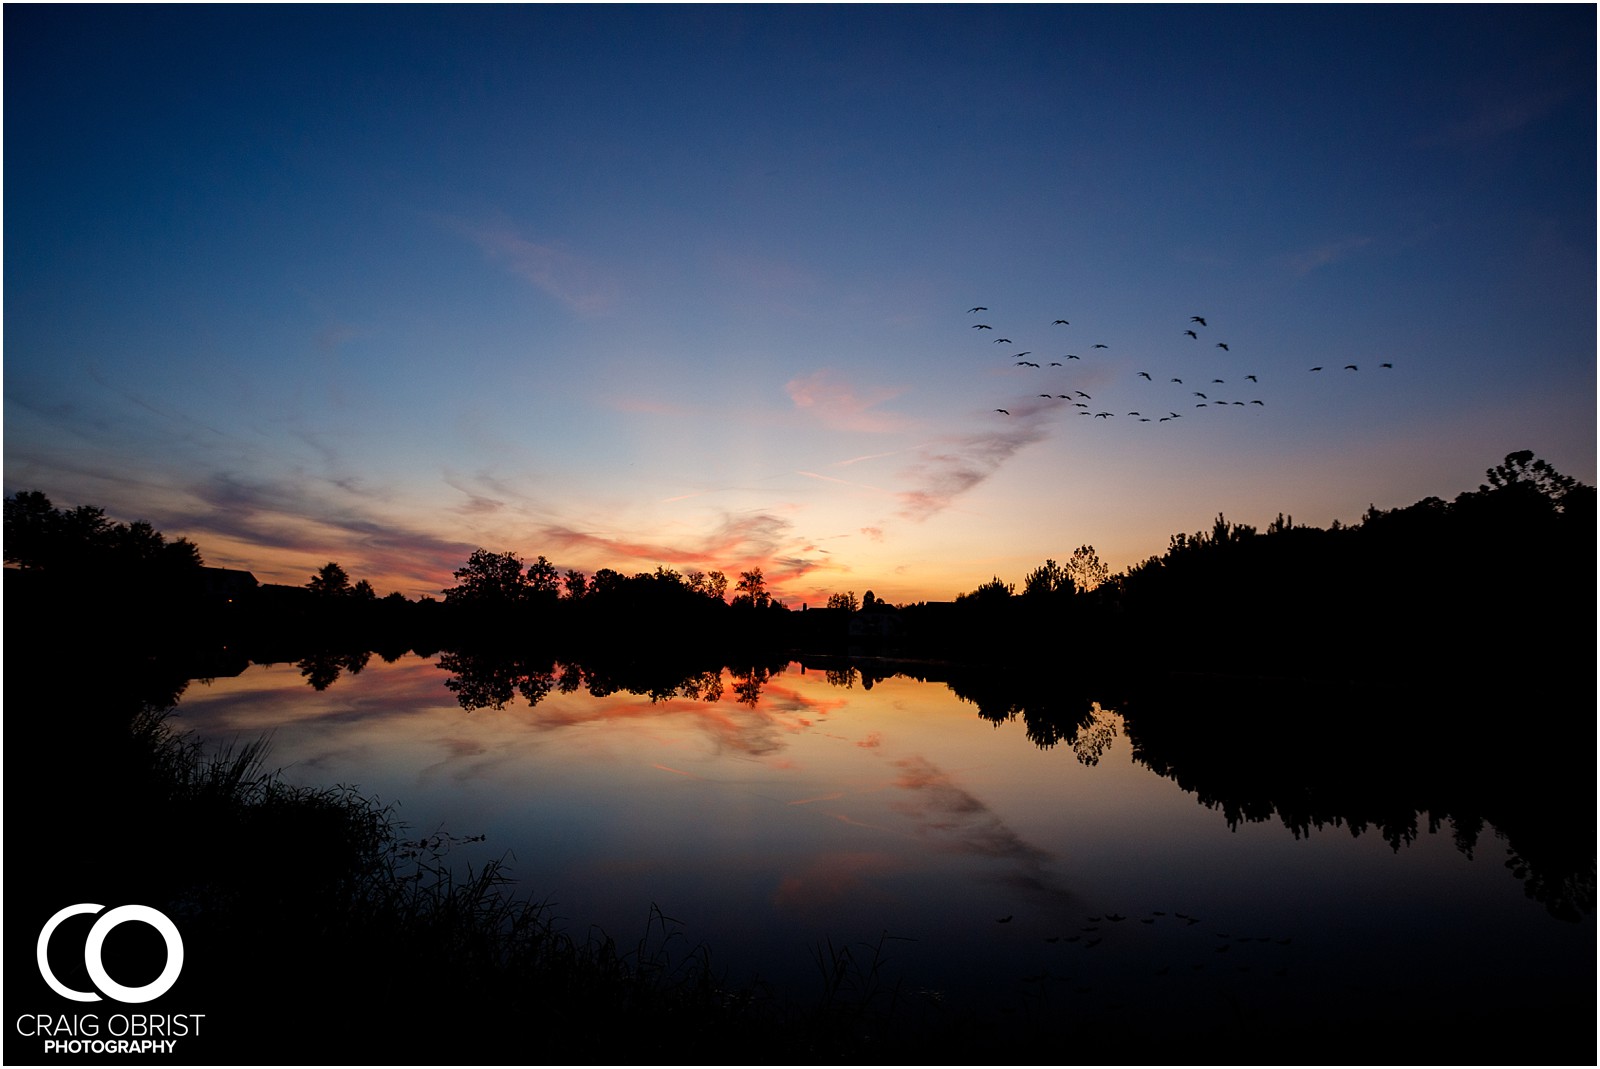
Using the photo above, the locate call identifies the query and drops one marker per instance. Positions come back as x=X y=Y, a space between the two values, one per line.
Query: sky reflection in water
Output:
x=846 y=814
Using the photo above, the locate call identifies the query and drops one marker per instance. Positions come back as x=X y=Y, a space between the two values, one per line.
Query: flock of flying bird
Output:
x=1212 y=399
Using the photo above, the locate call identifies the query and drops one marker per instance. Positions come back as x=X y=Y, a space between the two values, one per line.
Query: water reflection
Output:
x=1007 y=835
x=1254 y=753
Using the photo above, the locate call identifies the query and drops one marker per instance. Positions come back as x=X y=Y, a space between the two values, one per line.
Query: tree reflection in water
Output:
x=1312 y=758
x=494 y=678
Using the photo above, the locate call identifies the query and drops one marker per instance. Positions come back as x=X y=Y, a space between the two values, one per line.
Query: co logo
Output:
x=95 y=943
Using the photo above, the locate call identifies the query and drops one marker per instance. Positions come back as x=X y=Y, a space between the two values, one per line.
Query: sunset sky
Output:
x=629 y=286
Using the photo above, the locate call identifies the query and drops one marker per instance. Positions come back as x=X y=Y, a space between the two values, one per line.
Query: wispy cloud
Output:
x=752 y=535
x=290 y=524
x=838 y=404
x=866 y=456
x=476 y=503
x=564 y=275
x=949 y=469
x=1496 y=119
x=1305 y=261
x=738 y=543
x=842 y=482
x=831 y=796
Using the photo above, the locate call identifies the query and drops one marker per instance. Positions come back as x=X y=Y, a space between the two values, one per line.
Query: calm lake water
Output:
x=983 y=867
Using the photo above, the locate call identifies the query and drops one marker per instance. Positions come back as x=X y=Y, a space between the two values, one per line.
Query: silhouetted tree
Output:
x=713 y=585
x=606 y=581
x=575 y=584
x=489 y=580
x=330 y=582
x=84 y=541
x=542 y=579
x=846 y=601
x=1085 y=569
x=1523 y=469
x=1047 y=580
x=752 y=590
x=31 y=529
x=990 y=593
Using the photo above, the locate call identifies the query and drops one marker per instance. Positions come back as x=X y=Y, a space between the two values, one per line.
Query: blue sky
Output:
x=628 y=286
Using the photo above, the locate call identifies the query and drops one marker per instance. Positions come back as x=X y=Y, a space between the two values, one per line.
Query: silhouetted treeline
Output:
x=1498 y=576
x=86 y=562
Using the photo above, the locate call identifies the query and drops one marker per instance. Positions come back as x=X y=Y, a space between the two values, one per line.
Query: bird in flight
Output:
x=1263 y=404
x=1061 y=322
x=1192 y=334
x=1351 y=367
x=1080 y=393
x=1178 y=381
x=1074 y=356
x=1197 y=319
x=1002 y=411
x=1252 y=378
x=1002 y=341
x=1202 y=396
x=1386 y=365
x=980 y=308
x=1097 y=345
x=1223 y=346
x=981 y=326
x=1219 y=380
x=1102 y=415
x=1055 y=363
x=1316 y=369
x=1028 y=353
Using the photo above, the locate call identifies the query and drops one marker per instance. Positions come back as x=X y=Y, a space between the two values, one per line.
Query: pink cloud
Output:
x=562 y=274
x=949 y=469
x=837 y=404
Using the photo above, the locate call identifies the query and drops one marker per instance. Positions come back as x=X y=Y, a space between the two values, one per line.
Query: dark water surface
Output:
x=952 y=854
